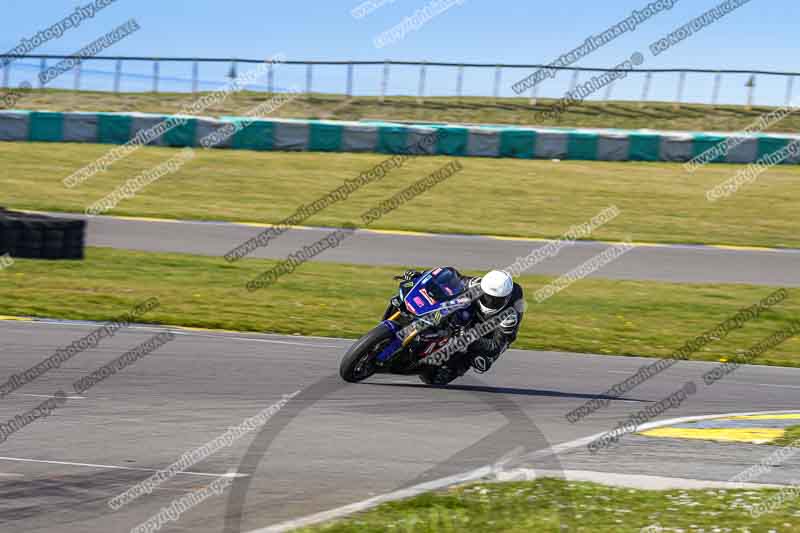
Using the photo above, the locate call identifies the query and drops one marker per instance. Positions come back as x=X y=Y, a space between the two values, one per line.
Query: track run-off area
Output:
x=336 y=448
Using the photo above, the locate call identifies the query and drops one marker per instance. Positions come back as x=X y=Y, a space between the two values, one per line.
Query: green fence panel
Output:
x=452 y=141
x=645 y=147
x=257 y=136
x=768 y=145
x=183 y=135
x=392 y=139
x=113 y=129
x=46 y=127
x=582 y=145
x=703 y=141
x=517 y=144
x=325 y=137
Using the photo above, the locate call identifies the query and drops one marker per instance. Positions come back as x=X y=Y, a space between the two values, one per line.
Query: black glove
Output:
x=410 y=275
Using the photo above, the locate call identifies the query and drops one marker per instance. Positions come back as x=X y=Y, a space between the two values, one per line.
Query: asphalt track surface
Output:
x=333 y=444
x=668 y=263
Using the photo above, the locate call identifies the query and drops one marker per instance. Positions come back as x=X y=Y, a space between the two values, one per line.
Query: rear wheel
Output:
x=359 y=361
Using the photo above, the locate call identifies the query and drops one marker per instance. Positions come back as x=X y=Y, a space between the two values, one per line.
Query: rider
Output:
x=498 y=292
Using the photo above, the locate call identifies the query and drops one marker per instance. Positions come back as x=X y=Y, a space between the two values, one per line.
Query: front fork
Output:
x=398 y=343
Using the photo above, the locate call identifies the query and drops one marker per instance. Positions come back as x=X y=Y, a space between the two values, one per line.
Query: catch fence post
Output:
x=117 y=75
x=717 y=85
x=77 y=85
x=789 y=90
x=498 y=74
x=156 y=71
x=574 y=81
x=607 y=95
x=42 y=68
x=195 y=77
x=648 y=80
x=679 y=97
x=460 y=82
x=384 y=80
x=350 y=80
x=751 y=89
x=271 y=79
x=421 y=92
x=309 y=78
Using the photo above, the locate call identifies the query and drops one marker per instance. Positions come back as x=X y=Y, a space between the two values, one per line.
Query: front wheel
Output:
x=359 y=361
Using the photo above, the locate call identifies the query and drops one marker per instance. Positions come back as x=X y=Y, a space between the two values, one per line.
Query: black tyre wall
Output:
x=41 y=237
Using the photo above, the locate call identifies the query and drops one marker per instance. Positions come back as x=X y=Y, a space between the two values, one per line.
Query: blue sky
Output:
x=760 y=35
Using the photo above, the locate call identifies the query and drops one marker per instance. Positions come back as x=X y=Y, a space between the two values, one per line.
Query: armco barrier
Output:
x=40 y=237
x=385 y=137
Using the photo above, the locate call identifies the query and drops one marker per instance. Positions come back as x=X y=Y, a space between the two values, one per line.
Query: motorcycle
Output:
x=421 y=319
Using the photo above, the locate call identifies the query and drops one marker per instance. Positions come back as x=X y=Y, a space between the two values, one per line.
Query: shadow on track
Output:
x=509 y=390
x=502 y=446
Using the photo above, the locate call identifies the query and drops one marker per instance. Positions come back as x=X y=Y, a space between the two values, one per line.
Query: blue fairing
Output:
x=391 y=325
x=436 y=290
x=393 y=346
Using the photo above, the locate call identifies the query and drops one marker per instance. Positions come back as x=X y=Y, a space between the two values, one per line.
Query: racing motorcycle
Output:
x=420 y=320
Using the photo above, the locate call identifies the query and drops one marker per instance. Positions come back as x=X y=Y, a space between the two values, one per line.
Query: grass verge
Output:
x=790 y=438
x=545 y=504
x=591 y=316
x=659 y=202
x=616 y=114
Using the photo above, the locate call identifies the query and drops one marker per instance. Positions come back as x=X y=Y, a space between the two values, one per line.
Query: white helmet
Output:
x=496 y=286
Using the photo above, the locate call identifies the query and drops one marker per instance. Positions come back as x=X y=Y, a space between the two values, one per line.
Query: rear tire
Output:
x=359 y=362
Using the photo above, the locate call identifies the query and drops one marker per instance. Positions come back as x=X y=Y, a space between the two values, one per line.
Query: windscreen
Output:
x=445 y=284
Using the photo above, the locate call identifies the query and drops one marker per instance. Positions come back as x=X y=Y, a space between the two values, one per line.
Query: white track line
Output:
x=473 y=475
x=633 y=481
x=764 y=385
x=48 y=396
x=115 y=467
x=731 y=382
x=178 y=331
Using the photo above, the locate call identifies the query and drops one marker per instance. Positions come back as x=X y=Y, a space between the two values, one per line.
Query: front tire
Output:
x=359 y=362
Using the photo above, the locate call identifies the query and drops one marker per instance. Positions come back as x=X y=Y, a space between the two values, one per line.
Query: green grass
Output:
x=543 y=505
x=789 y=438
x=659 y=202
x=617 y=114
x=592 y=316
